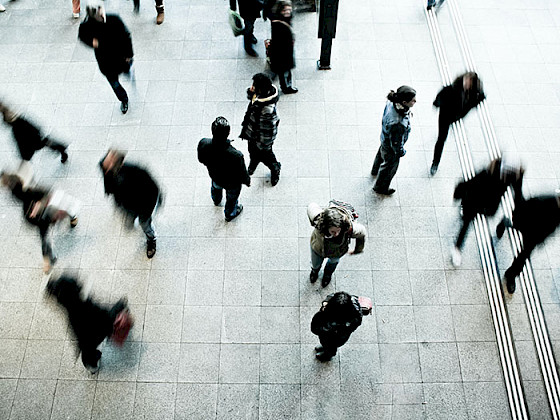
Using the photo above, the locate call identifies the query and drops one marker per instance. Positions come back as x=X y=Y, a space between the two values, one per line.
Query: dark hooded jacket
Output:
x=248 y=9
x=537 y=218
x=281 y=49
x=27 y=136
x=115 y=44
x=133 y=188
x=260 y=124
x=454 y=102
x=332 y=329
x=225 y=164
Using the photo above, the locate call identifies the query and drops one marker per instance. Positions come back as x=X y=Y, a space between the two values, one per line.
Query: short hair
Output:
x=331 y=217
x=262 y=84
x=220 y=128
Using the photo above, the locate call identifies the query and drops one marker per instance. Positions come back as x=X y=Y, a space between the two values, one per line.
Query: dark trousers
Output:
x=517 y=265
x=248 y=33
x=285 y=79
x=265 y=156
x=117 y=88
x=386 y=164
x=443 y=130
x=330 y=346
x=55 y=145
x=467 y=219
x=232 y=195
x=159 y=5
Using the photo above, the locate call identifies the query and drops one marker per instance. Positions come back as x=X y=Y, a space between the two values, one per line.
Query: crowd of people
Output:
x=138 y=195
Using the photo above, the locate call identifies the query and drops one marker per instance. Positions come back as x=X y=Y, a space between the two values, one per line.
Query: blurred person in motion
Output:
x=250 y=10
x=28 y=136
x=110 y=38
x=226 y=167
x=340 y=315
x=482 y=194
x=454 y=102
x=42 y=208
x=434 y=3
x=536 y=219
x=91 y=322
x=395 y=128
x=334 y=227
x=135 y=192
x=281 y=49
x=260 y=125
x=159 y=10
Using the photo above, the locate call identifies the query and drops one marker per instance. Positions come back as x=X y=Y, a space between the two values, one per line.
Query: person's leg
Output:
x=377 y=162
x=285 y=79
x=330 y=266
x=148 y=228
x=136 y=6
x=467 y=219
x=118 y=89
x=76 y=8
x=232 y=209
x=327 y=351
x=248 y=37
x=254 y=157
x=57 y=147
x=160 y=12
x=387 y=171
x=268 y=158
x=443 y=131
x=517 y=265
x=216 y=192
x=431 y=3
x=90 y=359
x=316 y=262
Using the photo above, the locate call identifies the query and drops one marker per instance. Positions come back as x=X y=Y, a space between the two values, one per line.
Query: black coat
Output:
x=28 y=137
x=115 y=44
x=454 y=103
x=281 y=49
x=537 y=218
x=226 y=165
x=248 y=9
x=134 y=190
x=482 y=193
x=260 y=124
x=334 y=332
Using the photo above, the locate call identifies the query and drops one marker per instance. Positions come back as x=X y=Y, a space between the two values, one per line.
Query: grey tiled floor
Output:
x=223 y=310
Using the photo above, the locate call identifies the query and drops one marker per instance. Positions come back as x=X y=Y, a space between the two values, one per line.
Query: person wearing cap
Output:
x=395 y=128
x=536 y=219
x=110 y=38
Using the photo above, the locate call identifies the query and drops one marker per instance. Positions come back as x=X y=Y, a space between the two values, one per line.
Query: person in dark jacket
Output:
x=260 y=125
x=91 y=323
x=226 y=167
x=134 y=191
x=395 y=127
x=536 y=219
x=454 y=102
x=110 y=38
x=338 y=318
x=28 y=136
x=43 y=209
x=281 y=49
x=482 y=194
x=250 y=10
x=159 y=9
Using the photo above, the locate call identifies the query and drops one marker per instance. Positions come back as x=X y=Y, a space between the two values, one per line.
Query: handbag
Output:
x=366 y=305
x=121 y=327
x=236 y=23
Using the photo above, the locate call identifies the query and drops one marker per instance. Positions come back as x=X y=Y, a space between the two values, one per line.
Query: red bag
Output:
x=365 y=304
x=121 y=327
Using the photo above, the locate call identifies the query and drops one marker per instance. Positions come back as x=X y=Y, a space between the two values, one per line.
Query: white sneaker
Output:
x=456 y=257
x=2 y=8
x=76 y=15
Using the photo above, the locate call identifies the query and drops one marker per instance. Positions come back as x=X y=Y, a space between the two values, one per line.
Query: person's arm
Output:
x=396 y=135
x=313 y=211
x=243 y=170
x=85 y=34
x=359 y=233
x=127 y=42
x=233 y=5
x=267 y=126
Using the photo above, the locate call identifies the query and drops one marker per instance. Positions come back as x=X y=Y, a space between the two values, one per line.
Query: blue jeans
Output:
x=317 y=261
x=232 y=195
x=431 y=3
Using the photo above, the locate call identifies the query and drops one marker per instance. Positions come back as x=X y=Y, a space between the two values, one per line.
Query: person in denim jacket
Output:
x=395 y=128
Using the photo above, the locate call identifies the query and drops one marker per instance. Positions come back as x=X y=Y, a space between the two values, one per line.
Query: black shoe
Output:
x=429 y=8
x=275 y=174
x=374 y=172
x=326 y=279
x=289 y=90
x=251 y=170
x=319 y=348
x=433 y=169
x=254 y=39
x=136 y=8
x=63 y=157
x=500 y=229
x=124 y=107
x=389 y=191
x=510 y=284
x=322 y=357
x=313 y=276
x=151 y=251
x=250 y=51
x=239 y=210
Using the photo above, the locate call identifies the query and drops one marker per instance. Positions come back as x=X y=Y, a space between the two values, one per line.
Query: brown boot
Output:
x=160 y=17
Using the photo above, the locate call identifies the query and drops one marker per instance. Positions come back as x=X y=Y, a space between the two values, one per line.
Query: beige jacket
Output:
x=330 y=248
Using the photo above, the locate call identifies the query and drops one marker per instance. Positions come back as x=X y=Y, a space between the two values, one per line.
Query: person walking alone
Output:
x=250 y=10
x=110 y=38
x=334 y=227
x=260 y=125
x=226 y=167
x=454 y=102
x=281 y=49
x=395 y=127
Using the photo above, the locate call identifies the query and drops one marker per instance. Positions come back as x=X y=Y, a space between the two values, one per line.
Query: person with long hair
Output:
x=454 y=102
x=281 y=49
x=340 y=315
x=395 y=128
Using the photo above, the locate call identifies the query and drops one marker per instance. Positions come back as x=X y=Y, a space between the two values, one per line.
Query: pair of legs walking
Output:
x=147 y=226
x=443 y=131
x=57 y=147
x=232 y=208
x=248 y=38
x=159 y=10
x=385 y=167
x=328 y=348
x=316 y=263
x=267 y=157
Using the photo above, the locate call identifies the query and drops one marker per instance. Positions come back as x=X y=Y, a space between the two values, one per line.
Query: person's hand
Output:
x=95 y=43
x=46 y=265
x=354 y=252
x=128 y=60
x=402 y=153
